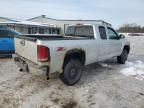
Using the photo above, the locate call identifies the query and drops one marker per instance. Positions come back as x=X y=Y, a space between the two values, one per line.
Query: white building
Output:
x=28 y=27
x=43 y=25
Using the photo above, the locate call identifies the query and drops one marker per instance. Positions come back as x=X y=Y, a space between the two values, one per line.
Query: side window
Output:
x=11 y=34
x=102 y=32
x=6 y=33
x=3 y=33
x=112 y=34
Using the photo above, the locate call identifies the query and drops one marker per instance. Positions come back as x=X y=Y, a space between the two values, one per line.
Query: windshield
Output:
x=80 y=31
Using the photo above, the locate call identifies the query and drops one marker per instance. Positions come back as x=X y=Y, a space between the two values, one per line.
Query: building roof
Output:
x=10 y=19
x=30 y=23
x=41 y=16
x=44 y=16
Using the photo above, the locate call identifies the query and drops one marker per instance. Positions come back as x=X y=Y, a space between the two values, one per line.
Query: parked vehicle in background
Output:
x=7 y=41
x=83 y=44
x=135 y=34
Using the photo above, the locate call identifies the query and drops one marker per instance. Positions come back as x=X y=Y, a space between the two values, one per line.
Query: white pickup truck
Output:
x=82 y=44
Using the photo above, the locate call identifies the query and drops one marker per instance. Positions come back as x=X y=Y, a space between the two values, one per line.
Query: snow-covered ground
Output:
x=103 y=85
x=135 y=69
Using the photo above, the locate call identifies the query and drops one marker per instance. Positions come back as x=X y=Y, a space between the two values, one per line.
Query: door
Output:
x=6 y=41
x=115 y=43
x=103 y=49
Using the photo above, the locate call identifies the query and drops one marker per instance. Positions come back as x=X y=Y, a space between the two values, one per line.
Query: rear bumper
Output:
x=7 y=52
x=28 y=66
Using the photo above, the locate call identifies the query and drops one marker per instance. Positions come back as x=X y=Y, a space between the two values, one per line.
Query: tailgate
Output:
x=26 y=48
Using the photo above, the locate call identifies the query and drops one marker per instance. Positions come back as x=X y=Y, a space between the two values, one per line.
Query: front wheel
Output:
x=72 y=72
x=123 y=57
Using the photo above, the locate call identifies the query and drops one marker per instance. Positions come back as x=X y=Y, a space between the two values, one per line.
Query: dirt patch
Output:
x=142 y=94
x=56 y=100
x=70 y=104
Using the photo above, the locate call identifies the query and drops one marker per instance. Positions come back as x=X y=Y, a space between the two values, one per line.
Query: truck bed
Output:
x=52 y=37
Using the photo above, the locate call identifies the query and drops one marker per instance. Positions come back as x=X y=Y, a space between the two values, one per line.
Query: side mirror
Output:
x=121 y=36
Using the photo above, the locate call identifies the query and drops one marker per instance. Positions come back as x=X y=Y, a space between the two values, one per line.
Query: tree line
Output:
x=131 y=28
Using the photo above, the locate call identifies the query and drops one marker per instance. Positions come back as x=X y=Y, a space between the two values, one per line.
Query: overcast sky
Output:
x=116 y=12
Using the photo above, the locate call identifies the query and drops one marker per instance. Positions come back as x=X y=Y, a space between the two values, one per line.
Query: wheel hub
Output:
x=73 y=73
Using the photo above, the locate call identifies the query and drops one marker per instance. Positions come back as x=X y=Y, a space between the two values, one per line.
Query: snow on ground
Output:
x=137 y=45
x=105 y=65
x=135 y=69
x=103 y=85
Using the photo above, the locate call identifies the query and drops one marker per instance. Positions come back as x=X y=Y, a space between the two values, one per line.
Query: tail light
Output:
x=43 y=53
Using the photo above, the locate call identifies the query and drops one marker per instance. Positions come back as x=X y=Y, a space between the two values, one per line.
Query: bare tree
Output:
x=131 y=28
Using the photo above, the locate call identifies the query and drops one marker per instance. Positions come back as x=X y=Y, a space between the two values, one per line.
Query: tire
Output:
x=123 y=57
x=72 y=72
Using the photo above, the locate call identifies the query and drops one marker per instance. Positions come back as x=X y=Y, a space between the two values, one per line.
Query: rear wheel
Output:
x=123 y=57
x=72 y=72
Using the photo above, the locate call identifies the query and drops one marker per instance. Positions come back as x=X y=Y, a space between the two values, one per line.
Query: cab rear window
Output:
x=70 y=31
x=82 y=31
